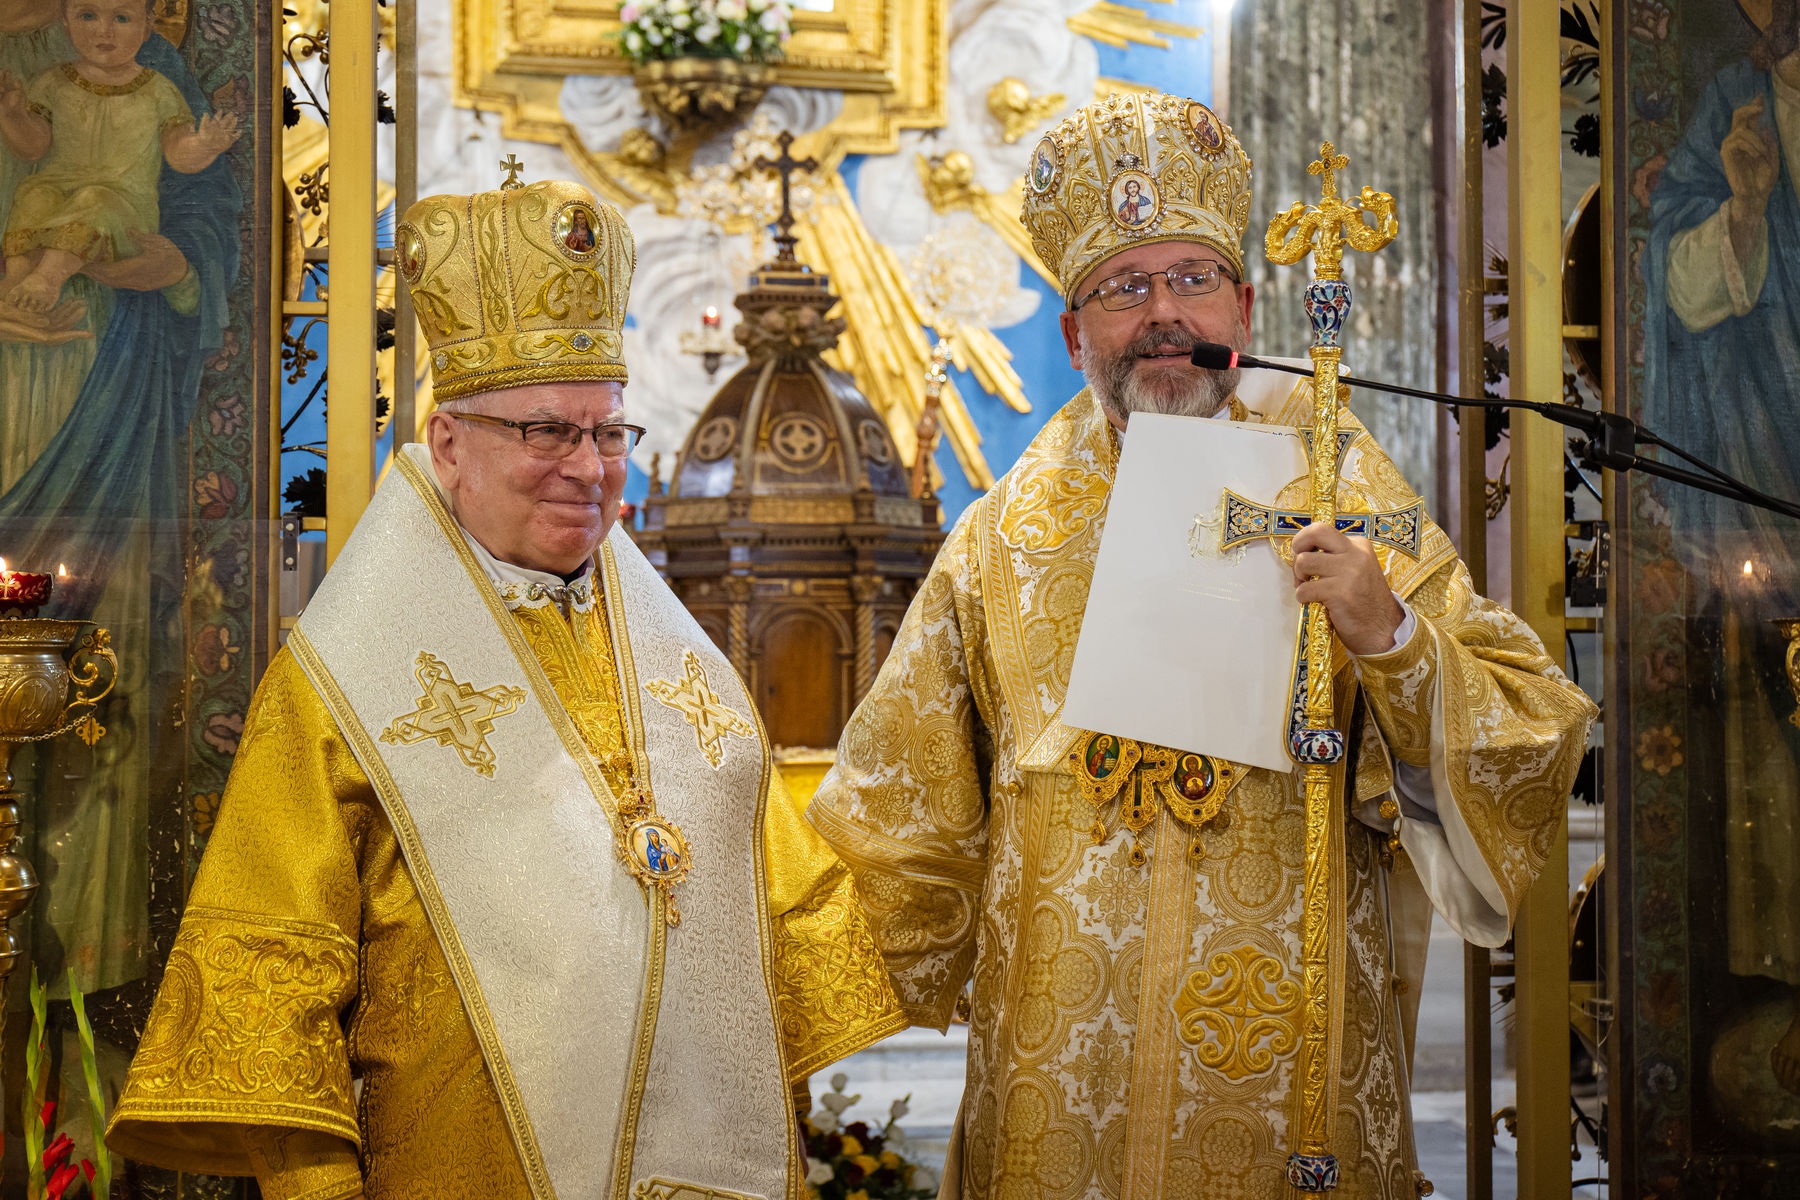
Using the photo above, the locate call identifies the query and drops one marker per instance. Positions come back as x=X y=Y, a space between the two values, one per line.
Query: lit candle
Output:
x=22 y=592
x=710 y=317
x=1749 y=567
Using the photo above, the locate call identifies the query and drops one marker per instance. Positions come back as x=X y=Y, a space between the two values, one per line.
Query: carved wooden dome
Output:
x=788 y=437
x=788 y=528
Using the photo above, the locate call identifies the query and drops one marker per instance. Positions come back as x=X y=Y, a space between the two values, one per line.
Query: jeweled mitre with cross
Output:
x=1131 y=170
x=526 y=284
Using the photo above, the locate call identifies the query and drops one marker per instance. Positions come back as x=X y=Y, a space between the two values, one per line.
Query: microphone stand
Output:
x=1612 y=438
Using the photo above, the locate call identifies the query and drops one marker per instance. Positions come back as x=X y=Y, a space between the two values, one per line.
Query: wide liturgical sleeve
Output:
x=248 y=1027
x=1474 y=705
x=905 y=803
x=832 y=993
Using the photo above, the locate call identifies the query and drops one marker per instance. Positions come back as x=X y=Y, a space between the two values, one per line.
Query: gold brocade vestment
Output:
x=1133 y=1028
x=306 y=958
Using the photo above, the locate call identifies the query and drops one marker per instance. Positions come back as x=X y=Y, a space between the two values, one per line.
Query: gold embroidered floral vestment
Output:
x=306 y=961
x=1135 y=988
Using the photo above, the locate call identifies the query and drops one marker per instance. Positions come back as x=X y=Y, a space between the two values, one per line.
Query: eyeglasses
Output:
x=558 y=439
x=1195 y=277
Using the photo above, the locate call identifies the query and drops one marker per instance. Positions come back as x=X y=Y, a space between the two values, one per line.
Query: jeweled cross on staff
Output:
x=1247 y=520
x=1321 y=230
x=786 y=164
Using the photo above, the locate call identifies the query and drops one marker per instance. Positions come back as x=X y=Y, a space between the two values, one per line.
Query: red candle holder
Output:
x=22 y=593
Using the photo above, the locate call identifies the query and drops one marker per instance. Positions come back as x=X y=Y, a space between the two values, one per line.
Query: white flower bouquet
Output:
x=743 y=30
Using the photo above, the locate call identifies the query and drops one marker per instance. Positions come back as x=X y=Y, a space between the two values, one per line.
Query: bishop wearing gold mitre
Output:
x=1130 y=915
x=504 y=898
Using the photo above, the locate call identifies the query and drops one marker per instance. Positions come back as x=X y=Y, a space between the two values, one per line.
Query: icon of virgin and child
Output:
x=99 y=130
x=121 y=240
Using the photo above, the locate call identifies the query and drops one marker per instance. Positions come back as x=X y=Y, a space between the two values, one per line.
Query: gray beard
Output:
x=1116 y=384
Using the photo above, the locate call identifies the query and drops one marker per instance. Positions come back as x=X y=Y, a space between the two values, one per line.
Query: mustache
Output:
x=1160 y=341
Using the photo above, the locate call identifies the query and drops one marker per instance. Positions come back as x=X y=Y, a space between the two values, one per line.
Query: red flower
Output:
x=57 y=1152
x=834 y=1145
x=860 y=1131
x=59 y=1181
x=853 y=1175
x=49 y=1110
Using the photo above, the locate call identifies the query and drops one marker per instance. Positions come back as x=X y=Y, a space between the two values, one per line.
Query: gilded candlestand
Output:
x=35 y=706
x=1322 y=230
x=1790 y=629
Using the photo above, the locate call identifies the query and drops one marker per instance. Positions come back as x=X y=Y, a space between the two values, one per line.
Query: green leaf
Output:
x=90 y=1071
x=35 y=1084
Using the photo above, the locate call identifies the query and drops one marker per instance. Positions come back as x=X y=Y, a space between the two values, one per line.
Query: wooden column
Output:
x=738 y=589
x=350 y=303
x=864 y=590
x=1534 y=144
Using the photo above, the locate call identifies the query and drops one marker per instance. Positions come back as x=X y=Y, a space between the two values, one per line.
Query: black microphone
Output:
x=1212 y=356
x=1612 y=438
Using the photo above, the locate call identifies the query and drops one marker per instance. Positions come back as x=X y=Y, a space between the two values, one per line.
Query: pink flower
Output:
x=223 y=732
x=629 y=13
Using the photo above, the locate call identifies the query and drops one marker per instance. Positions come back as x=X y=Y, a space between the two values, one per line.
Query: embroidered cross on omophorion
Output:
x=453 y=714
x=693 y=697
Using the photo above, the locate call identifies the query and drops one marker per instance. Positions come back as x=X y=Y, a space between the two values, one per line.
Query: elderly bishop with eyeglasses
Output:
x=1127 y=918
x=504 y=898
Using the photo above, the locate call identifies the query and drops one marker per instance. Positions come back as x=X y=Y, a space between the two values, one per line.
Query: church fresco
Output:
x=133 y=452
x=1708 y=845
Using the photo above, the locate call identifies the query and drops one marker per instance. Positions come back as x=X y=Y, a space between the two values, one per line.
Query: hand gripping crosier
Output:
x=1321 y=230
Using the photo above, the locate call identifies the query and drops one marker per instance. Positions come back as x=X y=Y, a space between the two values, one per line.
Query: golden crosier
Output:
x=1324 y=228
x=1322 y=231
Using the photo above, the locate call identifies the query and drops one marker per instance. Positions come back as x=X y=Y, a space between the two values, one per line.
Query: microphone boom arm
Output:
x=1612 y=438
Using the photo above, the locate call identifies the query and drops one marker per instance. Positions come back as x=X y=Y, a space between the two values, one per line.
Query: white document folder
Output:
x=1186 y=646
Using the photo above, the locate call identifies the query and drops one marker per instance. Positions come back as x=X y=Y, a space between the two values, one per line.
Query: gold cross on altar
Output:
x=695 y=699
x=453 y=714
x=513 y=168
x=786 y=164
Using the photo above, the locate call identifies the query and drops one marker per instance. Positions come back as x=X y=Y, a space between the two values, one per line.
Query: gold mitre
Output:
x=516 y=286
x=1133 y=169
